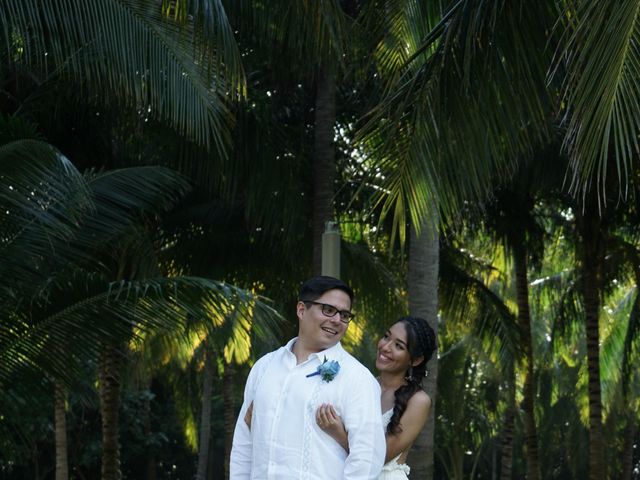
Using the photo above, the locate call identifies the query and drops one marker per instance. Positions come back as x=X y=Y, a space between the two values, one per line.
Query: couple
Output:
x=312 y=411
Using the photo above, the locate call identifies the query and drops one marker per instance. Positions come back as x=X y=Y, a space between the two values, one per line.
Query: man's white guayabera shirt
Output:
x=285 y=442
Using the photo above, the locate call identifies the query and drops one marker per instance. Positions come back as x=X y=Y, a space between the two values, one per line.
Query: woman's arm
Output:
x=411 y=423
x=329 y=421
x=249 y=415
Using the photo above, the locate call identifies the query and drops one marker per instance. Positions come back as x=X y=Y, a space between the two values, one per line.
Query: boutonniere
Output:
x=327 y=370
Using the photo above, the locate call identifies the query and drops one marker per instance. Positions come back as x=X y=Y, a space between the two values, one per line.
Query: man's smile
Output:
x=329 y=330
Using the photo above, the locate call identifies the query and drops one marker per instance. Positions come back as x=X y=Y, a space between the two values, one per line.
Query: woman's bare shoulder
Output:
x=420 y=401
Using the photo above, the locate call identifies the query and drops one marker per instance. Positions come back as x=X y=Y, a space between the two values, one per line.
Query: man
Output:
x=276 y=435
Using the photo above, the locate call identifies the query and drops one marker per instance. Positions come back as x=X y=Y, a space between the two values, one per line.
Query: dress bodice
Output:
x=392 y=469
x=386 y=418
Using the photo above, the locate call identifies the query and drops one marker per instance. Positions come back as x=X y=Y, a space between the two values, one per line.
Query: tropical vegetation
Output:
x=166 y=172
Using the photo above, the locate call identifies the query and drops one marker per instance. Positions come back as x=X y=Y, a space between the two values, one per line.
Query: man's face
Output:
x=318 y=330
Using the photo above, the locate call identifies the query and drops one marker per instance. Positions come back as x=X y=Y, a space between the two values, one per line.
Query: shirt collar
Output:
x=331 y=353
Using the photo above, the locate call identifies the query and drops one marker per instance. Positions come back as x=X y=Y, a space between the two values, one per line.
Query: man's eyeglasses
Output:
x=330 y=311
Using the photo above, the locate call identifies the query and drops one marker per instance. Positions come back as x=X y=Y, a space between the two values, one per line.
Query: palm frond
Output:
x=213 y=39
x=129 y=49
x=43 y=199
x=302 y=31
x=122 y=196
x=468 y=300
x=599 y=61
x=475 y=101
x=617 y=342
x=631 y=347
x=380 y=296
x=87 y=312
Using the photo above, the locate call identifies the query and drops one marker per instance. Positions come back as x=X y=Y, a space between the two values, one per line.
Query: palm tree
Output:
x=229 y=414
x=290 y=34
x=324 y=165
x=84 y=292
x=512 y=220
x=60 y=416
x=180 y=72
x=482 y=336
x=439 y=115
x=619 y=378
x=597 y=94
x=592 y=248
x=600 y=138
x=422 y=284
x=205 y=415
x=170 y=63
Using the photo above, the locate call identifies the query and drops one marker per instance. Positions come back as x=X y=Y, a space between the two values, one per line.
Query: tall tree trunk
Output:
x=593 y=259
x=455 y=456
x=424 y=256
x=109 y=376
x=324 y=168
x=229 y=414
x=494 y=464
x=524 y=322
x=62 y=457
x=506 y=456
x=35 y=459
x=152 y=470
x=205 y=416
x=627 y=453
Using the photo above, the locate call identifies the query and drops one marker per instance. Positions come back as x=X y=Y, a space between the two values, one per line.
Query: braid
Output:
x=421 y=341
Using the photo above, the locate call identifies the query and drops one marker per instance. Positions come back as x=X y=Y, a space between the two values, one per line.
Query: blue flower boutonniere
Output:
x=327 y=370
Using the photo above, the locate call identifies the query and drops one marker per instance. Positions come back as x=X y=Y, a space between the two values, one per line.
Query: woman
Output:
x=403 y=353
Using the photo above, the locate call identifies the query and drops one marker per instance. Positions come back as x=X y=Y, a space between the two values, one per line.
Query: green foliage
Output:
x=447 y=105
x=183 y=75
x=600 y=93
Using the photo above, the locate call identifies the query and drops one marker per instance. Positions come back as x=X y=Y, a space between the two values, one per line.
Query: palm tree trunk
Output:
x=35 y=459
x=152 y=470
x=494 y=464
x=109 y=376
x=424 y=256
x=456 y=456
x=592 y=307
x=229 y=414
x=506 y=456
x=524 y=322
x=593 y=259
x=62 y=458
x=324 y=168
x=627 y=453
x=205 y=416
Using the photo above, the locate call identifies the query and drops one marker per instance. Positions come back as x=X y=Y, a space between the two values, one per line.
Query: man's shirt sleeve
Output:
x=363 y=421
x=242 y=447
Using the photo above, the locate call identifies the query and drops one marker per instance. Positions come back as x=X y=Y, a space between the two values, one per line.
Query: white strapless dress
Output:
x=393 y=470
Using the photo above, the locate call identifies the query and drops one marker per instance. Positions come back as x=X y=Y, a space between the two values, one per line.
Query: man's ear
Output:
x=417 y=361
x=300 y=308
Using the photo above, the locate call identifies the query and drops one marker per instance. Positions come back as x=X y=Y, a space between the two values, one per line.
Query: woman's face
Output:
x=393 y=351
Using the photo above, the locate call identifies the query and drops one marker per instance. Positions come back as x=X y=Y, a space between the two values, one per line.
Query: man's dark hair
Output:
x=315 y=287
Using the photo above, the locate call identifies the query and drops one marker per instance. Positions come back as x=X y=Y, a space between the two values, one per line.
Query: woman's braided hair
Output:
x=421 y=342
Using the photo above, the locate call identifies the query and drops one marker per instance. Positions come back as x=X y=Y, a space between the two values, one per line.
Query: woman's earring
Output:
x=426 y=373
x=409 y=377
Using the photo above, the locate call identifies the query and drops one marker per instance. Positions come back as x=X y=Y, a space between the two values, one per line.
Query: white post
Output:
x=331 y=250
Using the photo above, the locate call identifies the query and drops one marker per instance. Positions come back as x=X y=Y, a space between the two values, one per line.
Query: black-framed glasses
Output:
x=330 y=311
